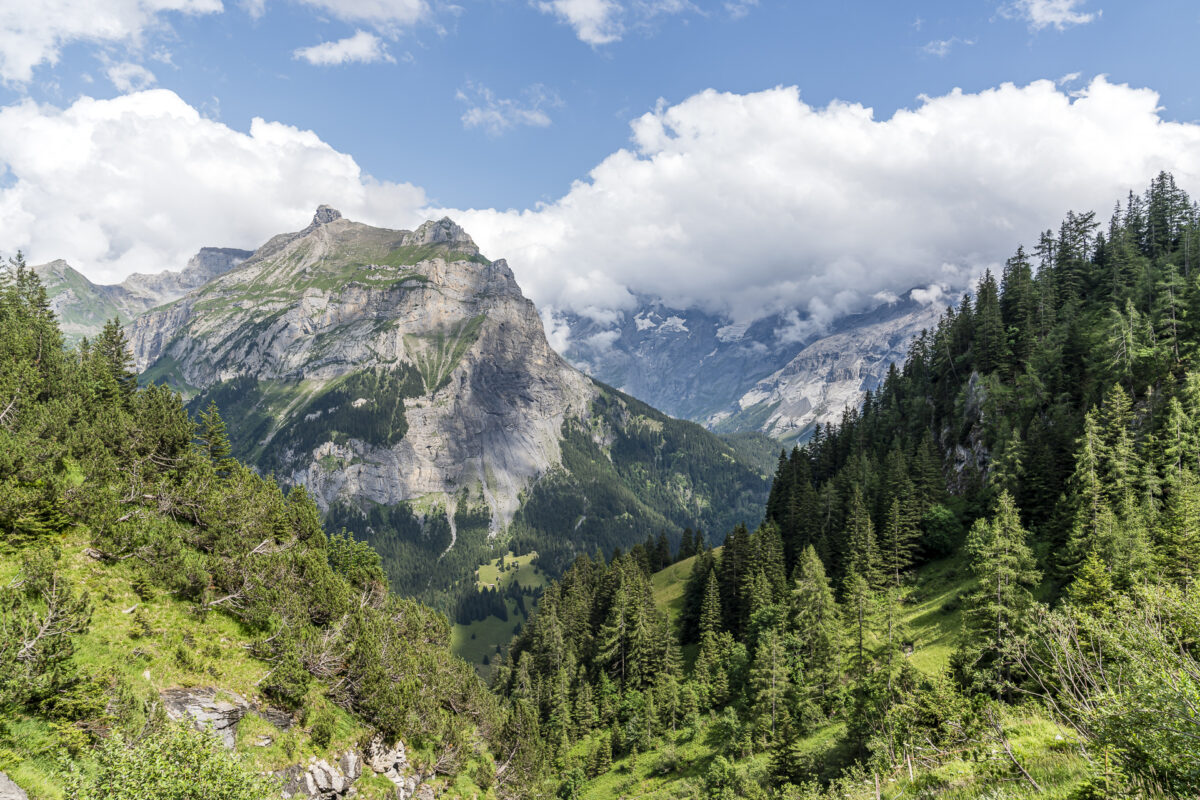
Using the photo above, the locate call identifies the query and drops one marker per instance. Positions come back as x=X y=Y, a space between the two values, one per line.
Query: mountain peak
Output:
x=442 y=231
x=325 y=214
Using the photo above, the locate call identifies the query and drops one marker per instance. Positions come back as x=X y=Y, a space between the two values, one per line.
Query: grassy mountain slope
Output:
x=981 y=584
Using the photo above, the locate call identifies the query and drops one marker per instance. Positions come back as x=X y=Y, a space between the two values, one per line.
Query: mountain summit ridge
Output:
x=484 y=395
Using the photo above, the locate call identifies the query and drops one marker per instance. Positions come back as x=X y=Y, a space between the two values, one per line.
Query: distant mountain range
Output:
x=406 y=382
x=83 y=306
x=736 y=378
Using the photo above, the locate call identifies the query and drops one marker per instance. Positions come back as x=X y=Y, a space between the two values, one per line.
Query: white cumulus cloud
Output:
x=498 y=114
x=381 y=13
x=596 y=22
x=35 y=33
x=127 y=77
x=744 y=204
x=361 y=48
x=942 y=47
x=140 y=182
x=1059 y=14
x=600 y=22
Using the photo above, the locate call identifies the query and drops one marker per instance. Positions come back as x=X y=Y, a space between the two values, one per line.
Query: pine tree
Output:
x=769 y=682
x=898 y=545
x=816 y=626
x=998 y=610
x=1179 y=532
x=991 y=339
x=861 y=612
x=1092 y=589
x=112 y=348
x=214 y=440
x=710 y=611
x=863 y=557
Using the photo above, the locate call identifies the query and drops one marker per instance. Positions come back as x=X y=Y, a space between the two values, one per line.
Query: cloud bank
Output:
x=140 y=182
x=745 y=204
x=737 y=204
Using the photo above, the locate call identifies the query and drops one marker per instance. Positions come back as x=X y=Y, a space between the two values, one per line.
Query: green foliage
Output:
x=322 y=726
x=1126 y=681
x=174 y=762
x=998 y=610
x=1053 y=413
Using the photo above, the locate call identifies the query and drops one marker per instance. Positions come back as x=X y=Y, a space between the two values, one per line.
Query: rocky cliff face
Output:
x=830 y=373
x=375 y=366
x=83 y=307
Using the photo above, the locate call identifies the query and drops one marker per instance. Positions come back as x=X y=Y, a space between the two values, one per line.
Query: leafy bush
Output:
x=175 y=762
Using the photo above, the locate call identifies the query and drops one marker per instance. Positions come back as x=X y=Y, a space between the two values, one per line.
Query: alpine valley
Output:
x=979 y=583
x=403 y=379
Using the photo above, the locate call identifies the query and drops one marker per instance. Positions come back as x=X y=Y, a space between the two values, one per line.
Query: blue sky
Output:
x=609 y=148
x=403 y=121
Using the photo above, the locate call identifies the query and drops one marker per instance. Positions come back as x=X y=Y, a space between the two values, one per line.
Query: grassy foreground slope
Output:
x=137 y=558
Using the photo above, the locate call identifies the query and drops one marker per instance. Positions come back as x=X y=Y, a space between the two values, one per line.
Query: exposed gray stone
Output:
x=490 y=422
x=208 y=708
x=9 y=790
x=351 y=764
x=832 y=372
x=326 y=214
x=277 y=717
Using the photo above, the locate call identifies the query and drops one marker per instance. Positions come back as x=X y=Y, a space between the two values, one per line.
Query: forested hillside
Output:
x=981 y=584
x=142 y=568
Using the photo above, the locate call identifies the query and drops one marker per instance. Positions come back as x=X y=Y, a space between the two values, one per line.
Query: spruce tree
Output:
x=214 y=439
x=997 y=611
x=816 y=624
x=898 y=545
x=863 y=556
x=769 y=682
x=1178 y=548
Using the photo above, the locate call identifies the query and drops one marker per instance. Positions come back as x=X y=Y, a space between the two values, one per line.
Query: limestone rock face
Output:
x=309 y=309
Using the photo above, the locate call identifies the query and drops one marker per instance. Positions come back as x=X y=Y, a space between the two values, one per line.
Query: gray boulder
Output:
x=9 y=790
x=207 y=710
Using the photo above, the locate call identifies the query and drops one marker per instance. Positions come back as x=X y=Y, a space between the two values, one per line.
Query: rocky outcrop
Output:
x=208 y=709
x=9 y=790
x=319 y=778
x=339 y=298
x=219 y=710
